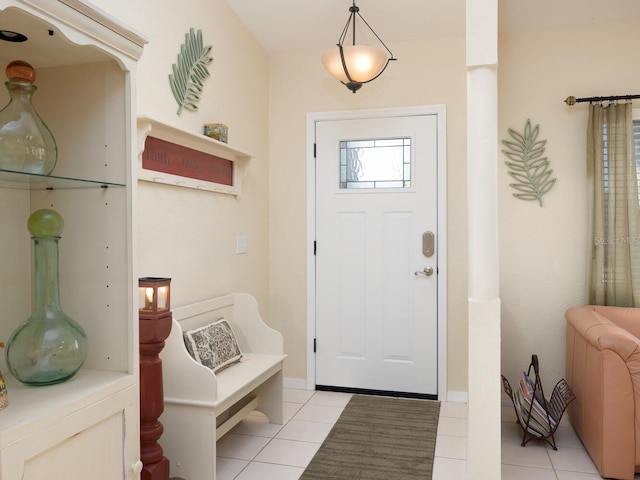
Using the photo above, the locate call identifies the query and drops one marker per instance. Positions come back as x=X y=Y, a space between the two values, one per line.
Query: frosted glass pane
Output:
x=378 y=163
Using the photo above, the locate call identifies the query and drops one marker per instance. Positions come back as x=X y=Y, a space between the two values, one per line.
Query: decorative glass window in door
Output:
x=379 y=163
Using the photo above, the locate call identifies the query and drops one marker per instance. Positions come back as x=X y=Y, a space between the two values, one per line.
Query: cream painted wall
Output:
x=186 y=234
x=427 y=73
x=543 y=251
x=265 y=101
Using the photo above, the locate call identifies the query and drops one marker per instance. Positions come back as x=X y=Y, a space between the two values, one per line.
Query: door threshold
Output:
x=379 y=393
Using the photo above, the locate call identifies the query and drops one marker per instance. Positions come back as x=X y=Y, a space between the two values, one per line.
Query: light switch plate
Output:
x=241 y=244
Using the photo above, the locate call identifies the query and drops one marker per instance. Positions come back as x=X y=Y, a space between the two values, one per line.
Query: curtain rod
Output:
x=573 y=100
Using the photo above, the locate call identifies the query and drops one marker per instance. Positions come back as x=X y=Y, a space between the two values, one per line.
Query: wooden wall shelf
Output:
x=199 y=142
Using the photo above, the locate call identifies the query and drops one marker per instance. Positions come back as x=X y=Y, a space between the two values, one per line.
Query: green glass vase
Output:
x=49 y=347
x=26 y=144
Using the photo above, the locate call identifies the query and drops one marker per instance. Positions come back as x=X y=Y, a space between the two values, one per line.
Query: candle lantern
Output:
x=154 y=312
x=154 y=296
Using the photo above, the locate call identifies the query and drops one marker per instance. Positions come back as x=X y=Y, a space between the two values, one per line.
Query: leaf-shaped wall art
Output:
x=190 y=72
x=527 y=163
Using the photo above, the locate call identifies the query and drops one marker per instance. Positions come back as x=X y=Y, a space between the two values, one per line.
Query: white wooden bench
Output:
x=200 y=406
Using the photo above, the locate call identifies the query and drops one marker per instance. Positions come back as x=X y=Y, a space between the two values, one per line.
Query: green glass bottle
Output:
x=26 y=144
x=49 y=347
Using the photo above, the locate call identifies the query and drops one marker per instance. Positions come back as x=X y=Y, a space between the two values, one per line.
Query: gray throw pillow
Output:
x=213 y=345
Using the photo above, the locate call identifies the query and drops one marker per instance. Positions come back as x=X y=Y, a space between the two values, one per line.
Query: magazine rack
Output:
x=538 y=417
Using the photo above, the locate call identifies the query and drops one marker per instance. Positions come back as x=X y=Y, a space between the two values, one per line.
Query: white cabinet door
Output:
x=94 y=442
x=94 y=453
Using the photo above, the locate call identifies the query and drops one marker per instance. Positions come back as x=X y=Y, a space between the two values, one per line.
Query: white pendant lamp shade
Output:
x=356 y=64
x=364 y=63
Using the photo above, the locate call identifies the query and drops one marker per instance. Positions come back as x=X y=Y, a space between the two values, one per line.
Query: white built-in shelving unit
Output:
x=87 y=427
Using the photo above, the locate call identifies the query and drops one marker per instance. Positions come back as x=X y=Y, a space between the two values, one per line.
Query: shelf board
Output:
x=200 y=142
x=31 y=181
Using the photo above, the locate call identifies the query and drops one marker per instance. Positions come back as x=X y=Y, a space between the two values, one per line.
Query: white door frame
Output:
x=312 y=118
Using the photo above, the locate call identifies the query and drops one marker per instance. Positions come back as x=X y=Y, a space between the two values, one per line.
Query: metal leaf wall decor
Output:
x=527 y=164
x=190 y=72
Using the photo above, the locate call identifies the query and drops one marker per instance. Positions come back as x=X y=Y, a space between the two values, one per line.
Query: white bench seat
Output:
x=246 y=376
x=200 y=406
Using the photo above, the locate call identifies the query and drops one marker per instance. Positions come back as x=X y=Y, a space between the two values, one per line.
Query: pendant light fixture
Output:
x=355 y=64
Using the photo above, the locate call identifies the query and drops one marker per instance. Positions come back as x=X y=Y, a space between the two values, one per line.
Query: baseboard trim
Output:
x=295 y=383
x=457 y=396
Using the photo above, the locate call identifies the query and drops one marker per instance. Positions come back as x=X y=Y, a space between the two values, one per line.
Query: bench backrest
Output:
x=241 y=310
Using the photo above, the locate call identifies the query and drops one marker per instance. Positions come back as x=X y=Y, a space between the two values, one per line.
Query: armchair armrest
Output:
x=627 y=318
x=603 y=370
x=602 y=332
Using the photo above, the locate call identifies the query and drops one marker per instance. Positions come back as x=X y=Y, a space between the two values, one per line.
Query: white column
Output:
x=483 y=424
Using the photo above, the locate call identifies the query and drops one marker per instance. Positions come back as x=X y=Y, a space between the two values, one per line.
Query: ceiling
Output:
x=286 y=25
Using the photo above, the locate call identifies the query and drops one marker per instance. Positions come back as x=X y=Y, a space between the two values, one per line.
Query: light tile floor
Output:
x=258 y=450
x=538 y=461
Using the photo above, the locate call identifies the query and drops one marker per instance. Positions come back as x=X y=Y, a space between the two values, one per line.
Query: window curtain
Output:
x=615 y=259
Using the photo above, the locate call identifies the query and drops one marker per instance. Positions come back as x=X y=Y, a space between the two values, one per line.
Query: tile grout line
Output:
x=284 y=424
x=553 y=467
x=249 y=462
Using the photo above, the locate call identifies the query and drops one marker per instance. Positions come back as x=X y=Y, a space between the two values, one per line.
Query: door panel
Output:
x=376 y=320
x=352 y=268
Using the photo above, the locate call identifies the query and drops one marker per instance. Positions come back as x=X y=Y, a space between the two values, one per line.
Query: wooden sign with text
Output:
x=166 y=157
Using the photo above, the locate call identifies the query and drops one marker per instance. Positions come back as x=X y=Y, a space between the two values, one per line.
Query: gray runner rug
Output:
x=379 y=438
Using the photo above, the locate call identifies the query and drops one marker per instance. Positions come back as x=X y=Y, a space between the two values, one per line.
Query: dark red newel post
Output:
x=155 y=325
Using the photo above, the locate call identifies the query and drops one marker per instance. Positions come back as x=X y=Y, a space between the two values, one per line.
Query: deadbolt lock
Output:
x=428 y=242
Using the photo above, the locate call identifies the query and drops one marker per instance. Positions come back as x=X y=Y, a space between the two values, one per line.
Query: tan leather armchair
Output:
x=603 y=370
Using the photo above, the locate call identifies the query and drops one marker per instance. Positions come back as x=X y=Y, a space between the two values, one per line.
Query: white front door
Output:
x=377 y=254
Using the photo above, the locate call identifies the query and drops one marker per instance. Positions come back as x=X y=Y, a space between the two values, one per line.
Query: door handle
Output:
x=427 y=272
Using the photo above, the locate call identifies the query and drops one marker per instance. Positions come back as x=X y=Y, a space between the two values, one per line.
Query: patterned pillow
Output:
x=213 y=345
